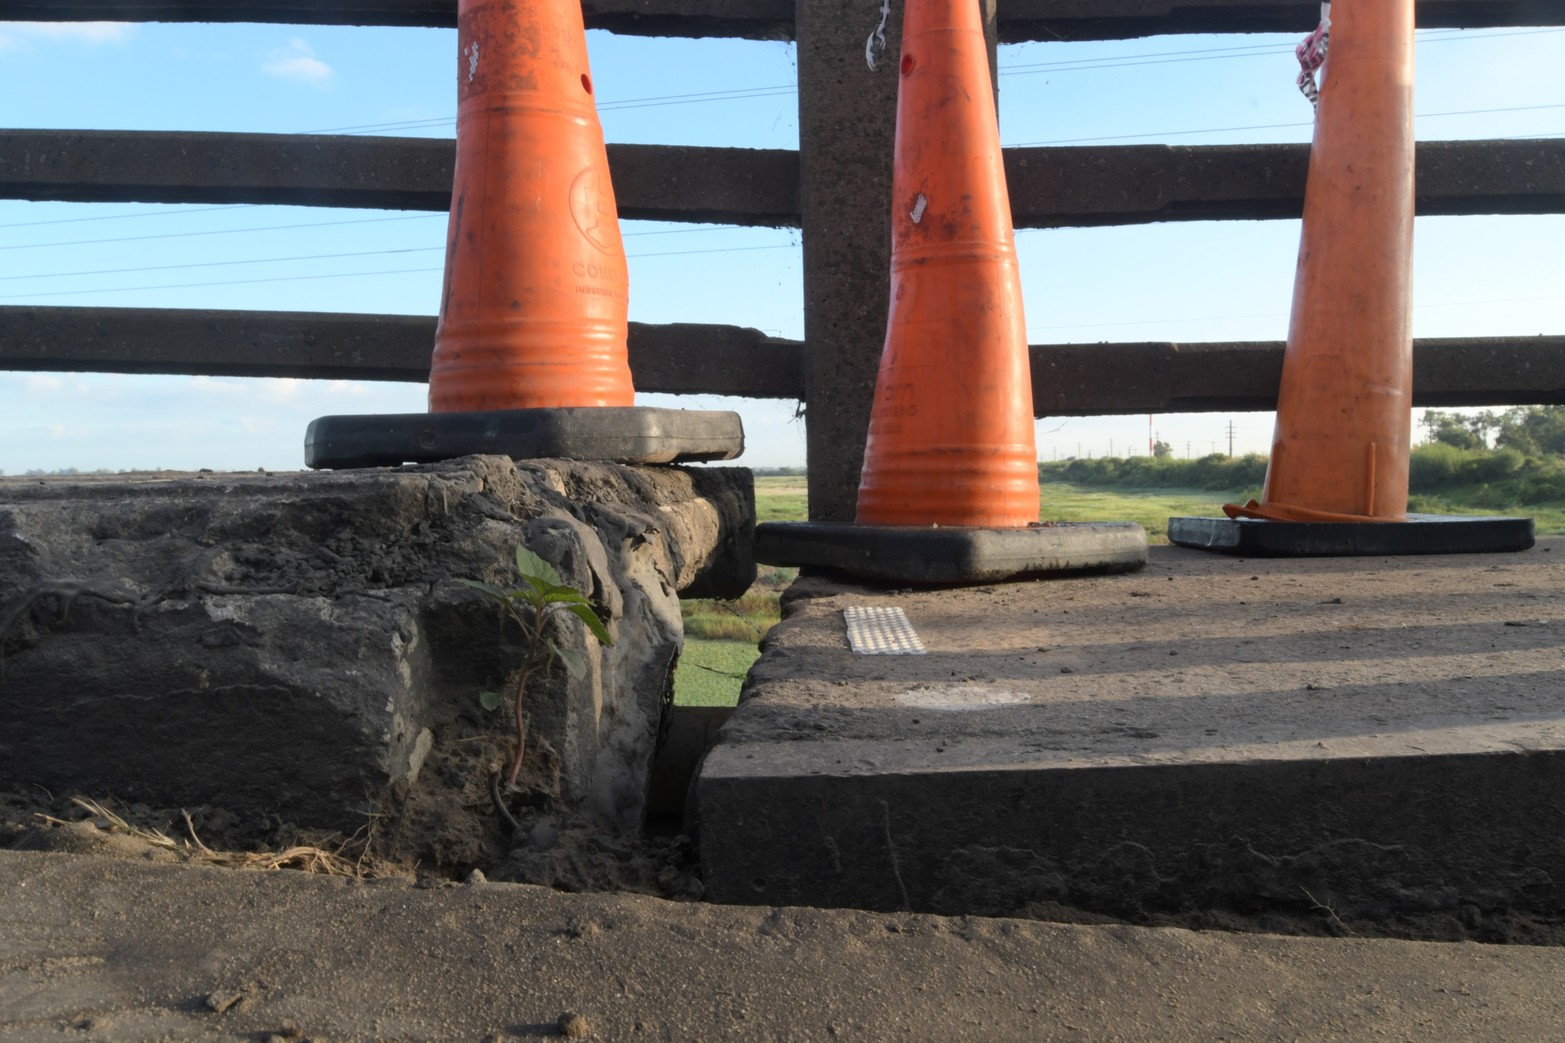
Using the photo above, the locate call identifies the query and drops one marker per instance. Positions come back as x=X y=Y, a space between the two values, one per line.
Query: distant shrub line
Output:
x=1483 y=477
x=1230 y=474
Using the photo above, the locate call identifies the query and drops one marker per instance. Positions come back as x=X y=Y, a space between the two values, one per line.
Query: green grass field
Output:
x=711 y=672
x=1548 y=519
x=721 y=636
x=780 y=498
x=1150 y=508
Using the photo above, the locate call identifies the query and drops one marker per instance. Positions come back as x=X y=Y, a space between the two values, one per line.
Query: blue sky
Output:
x=1182 y=281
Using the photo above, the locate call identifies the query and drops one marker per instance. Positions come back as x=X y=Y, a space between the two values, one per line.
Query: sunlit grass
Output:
x=712 y=672
x=1149 y=508
x=781 y=498
x=1548 y=519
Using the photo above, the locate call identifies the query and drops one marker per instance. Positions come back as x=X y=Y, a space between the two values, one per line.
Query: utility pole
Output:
x=1111 y=447
x=1230 y=438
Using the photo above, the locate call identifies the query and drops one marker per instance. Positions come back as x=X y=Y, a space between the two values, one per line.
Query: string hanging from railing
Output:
x=1312 y=55
x=876 y=44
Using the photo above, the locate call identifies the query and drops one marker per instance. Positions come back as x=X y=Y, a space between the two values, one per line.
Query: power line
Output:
x=326 y=275
x=222 y=231
x=1027 y=69
x=217 y=264
x=715 y=250
x=270 y=228
x=236 y=282
x=121 y=217
x=321 y=224
x=1217 y=53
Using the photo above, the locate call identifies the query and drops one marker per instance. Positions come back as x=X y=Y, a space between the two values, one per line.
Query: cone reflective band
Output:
x=1344 y=408
x=534 y=308
x=951 y=427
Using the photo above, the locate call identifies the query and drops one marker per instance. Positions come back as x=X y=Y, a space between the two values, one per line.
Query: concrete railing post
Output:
x=847 y=123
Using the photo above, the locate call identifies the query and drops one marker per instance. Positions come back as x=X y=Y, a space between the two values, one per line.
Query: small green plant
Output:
x=536 y=606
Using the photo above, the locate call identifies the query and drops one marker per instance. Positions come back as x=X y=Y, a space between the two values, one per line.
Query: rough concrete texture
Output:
x=92 y=948
x=1382 y=738
x=296 y=644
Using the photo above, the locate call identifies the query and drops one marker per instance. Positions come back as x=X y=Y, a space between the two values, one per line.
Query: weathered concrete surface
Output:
x=121 y=951
x=296 y=644
x=1383 y=737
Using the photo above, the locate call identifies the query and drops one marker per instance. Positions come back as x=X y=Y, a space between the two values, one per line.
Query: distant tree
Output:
x=1533 y=430
x=1162 y=450
x=1463 y=432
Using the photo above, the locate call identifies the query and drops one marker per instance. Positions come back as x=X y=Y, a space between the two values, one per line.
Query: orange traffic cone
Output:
x=530 y=354
x=1344 y=408
x=533 y=313
x=949 y=488
x=951 y=426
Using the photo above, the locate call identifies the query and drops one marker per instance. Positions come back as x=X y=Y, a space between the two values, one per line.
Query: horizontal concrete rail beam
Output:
x=677 y=358
x=750 y=19
x=1121 y=19
x=774 y=19
x=1050 y=187
x=1108 y=379
x=652 y=182
x=1126 y=184
x=1068 y=379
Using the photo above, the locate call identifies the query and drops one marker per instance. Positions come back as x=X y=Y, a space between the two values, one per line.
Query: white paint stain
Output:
x=471 y=52
x=919 y=207
x=959 y=698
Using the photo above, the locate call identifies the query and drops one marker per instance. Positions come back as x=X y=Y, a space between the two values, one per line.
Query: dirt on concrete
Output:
x=123 y=949
x=429 y=843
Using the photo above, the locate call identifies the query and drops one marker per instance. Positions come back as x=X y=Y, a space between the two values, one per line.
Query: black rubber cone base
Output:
x=940 y=554
x=1420 y=534
x=615 y=434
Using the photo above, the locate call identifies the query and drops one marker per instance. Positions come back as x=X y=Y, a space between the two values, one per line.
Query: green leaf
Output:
x=574 y=663
x=531 y=598
x=585 y=613
x=532 y=567
x=484 y=588
x=490 y=700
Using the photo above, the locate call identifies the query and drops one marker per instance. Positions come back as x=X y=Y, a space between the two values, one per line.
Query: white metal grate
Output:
x=881 y=631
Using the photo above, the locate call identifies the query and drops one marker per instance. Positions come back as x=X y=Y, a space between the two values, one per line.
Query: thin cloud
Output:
x=297 y=63
x=94 y=34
